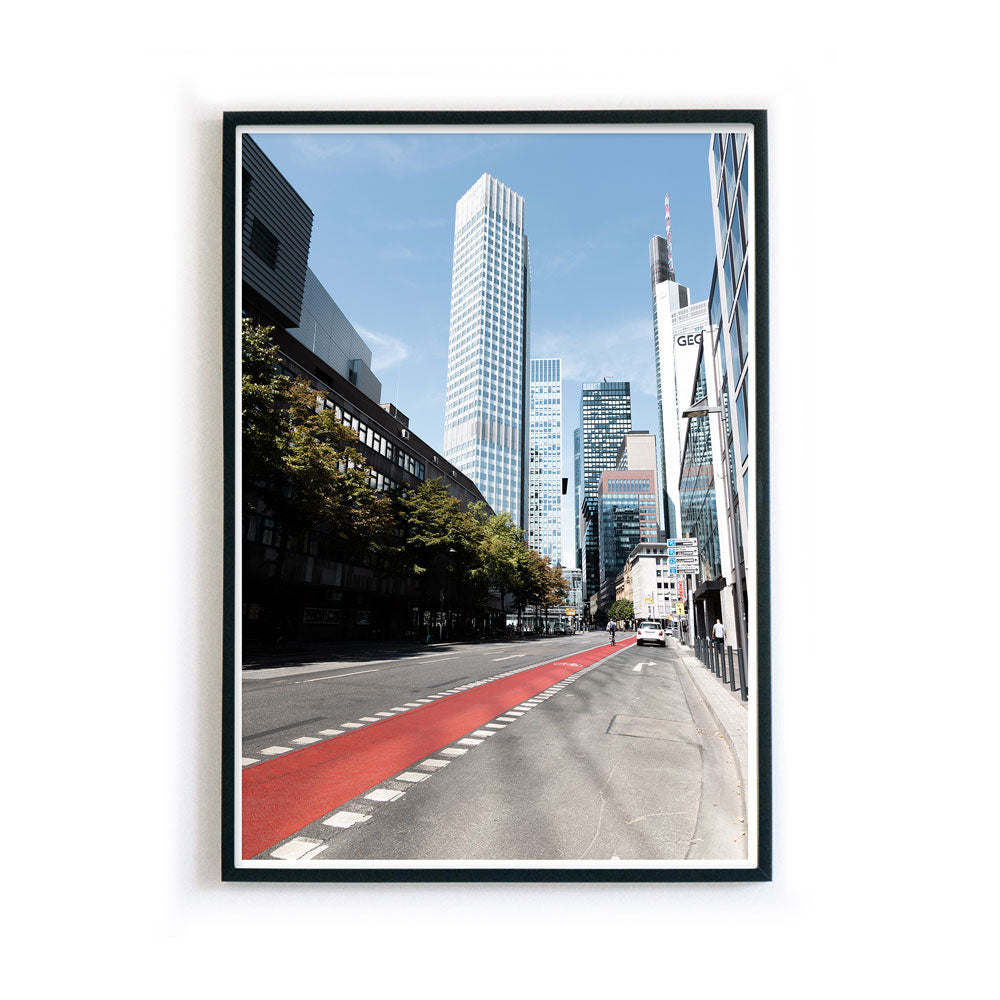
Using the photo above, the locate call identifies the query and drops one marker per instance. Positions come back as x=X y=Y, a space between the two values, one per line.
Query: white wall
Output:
x=884 y=814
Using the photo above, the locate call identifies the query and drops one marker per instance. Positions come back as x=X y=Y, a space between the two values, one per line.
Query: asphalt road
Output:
x=466 y=752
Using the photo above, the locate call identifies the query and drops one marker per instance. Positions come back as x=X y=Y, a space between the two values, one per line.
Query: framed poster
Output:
x=496 y=496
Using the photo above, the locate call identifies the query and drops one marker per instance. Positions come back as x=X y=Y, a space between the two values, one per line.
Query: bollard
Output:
x=732 y=673
x=722 y=656
x=743 y=674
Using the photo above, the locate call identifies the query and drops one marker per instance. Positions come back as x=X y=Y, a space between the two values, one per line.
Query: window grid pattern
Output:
x=545 y=459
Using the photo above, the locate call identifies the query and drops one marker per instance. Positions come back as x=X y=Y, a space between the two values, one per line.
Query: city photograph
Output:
x=497 y=509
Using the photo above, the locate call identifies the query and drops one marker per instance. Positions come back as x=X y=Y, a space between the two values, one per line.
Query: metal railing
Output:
x=725 y=662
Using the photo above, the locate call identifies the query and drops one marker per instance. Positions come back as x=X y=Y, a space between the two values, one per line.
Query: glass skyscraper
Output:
x=486 y=407
x=605 y=417
x=545 y=459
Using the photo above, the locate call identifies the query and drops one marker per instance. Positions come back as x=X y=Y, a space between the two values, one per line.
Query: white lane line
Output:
x=385 y=715
x=337 y=677
x=369 y=718
x=453 y=752
x=250 y=760
x=433 y=762
x=512 y=657
x=413 y=704
x=509 y=717
x=307 y=739
x=517 y=715
x=413 y=776
x=424 y=701
x=435 y=659
x=468 y=742
x=384 y=795
x=345 y=819
x=494 y=725
x=482 y=732
x=297 y=849
x=398 y=708
x=274 y=750
x=351 y=725
x=442 y=655
x=331 y=732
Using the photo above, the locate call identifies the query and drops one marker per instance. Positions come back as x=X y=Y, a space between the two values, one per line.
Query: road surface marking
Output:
x=494 y=725
x=517 y=715
x=250 y=760
x=398 y=708
x=413 y=704
x=384 y=795
x=274 y=750
x=330 y=732
x=297 y=849
x=351 y=725
x=385 y=715
x=453 y=752
x=345 y=819
x=468 y=742
x=436 y=659
x=424 y=701
x=412 y=776
x=504 y=718
x=434 y=762
x=307 y=739
x=337 y=677
x=482 y=732
x=512 y=657
x=369 y=718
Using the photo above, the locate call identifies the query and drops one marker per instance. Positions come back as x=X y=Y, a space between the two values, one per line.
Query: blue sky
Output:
x=384 y=215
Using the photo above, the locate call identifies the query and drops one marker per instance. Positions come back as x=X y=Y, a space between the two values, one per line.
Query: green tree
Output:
x=621 y=611
x=500 y=544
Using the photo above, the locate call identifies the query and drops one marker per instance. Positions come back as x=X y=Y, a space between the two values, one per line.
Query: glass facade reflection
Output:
x=545 y=459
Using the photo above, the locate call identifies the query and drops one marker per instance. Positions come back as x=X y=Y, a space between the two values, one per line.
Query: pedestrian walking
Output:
x=719 y=634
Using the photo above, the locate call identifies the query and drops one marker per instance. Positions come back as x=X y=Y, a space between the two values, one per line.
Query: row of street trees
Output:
x=302 y=467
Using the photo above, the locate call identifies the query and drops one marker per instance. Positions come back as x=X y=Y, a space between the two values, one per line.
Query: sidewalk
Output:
x=730 y=712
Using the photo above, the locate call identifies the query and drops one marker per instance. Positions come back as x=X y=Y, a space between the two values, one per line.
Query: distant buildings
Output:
x=545 y=459
x=486 y=406
x=627 y=507
x=605 y=417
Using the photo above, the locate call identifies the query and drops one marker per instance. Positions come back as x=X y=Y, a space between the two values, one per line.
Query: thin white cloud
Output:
x=622 y=351
x=387 y=351
x=397 y=154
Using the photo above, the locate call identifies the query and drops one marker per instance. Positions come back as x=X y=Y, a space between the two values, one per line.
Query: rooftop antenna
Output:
x=670 y=249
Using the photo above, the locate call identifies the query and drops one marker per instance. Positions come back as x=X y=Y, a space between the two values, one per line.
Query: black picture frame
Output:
x=711 y=119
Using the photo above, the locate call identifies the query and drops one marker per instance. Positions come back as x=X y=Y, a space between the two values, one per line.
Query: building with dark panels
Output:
x=605 y=417
x=627 y=514
x=307 y=586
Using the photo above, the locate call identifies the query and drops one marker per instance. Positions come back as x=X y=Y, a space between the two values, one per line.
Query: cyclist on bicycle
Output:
x=611 y=631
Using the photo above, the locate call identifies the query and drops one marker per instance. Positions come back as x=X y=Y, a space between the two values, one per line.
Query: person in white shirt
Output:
x=719 y=634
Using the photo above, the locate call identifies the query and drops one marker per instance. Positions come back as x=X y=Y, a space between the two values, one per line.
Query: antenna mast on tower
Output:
x=670 y=249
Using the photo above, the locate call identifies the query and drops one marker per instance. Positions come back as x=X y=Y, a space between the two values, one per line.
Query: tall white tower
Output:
x=486 y=408
x=545 y=458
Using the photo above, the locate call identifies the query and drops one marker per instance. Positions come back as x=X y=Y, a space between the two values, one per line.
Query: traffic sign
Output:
x=649 y=600
x=679 y=608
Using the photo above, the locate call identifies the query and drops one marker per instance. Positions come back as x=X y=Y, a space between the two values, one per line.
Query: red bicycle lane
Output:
x=283 y=795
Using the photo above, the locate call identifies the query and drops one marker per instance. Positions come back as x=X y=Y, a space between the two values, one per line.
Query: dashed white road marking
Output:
x=274 y=750
x=433 y=762
x=398 y=708
x=385 y=715
x=468 y=742
x=368 y=718
x=512 y=657
x=331 y=732
x=336 y=677
x=424 y=701
x=307 y=739
x=482 y=732
x=412 y=776
x=345 y=819
x=412 y=704
x=250 y=760
x=453 y=752
x=351 y=725
x=384 y=795
x=494 y=725
x=297 y=849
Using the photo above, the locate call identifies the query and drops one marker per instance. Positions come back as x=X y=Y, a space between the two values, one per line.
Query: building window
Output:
x=264 y=244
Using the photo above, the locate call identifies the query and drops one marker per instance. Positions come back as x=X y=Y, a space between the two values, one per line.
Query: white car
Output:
x=650 y=632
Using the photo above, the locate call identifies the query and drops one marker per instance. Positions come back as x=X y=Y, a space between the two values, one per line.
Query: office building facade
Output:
x=577 y=494
x=627 y=514
x=486 y=406
x=545 y=458
x=637 y=451
x=605 y=418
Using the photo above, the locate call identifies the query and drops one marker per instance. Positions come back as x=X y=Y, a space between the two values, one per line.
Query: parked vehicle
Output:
x=650 y=631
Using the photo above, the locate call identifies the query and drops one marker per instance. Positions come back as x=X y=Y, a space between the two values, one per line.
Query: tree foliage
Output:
x=621 y=610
